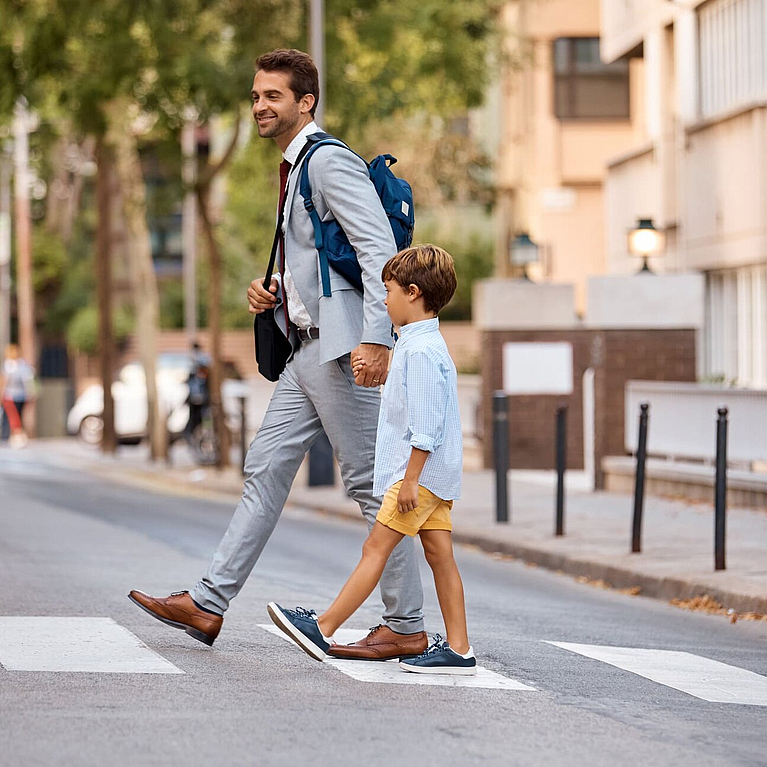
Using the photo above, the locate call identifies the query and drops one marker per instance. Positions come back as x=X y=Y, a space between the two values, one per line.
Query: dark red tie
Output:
x=284 y=171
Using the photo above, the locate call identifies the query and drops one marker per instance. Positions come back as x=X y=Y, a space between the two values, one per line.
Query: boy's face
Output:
x=398 y=302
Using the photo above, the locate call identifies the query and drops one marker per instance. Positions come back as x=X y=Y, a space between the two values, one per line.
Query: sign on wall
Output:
x=538 y=368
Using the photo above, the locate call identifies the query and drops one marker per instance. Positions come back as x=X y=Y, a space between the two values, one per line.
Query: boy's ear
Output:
x=413 y=291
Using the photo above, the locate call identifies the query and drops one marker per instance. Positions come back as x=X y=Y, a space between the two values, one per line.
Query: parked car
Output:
x=129 y=393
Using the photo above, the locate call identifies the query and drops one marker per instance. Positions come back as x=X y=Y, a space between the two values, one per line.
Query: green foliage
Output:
x=83 y=330
x=407 y=57
x=49 y=260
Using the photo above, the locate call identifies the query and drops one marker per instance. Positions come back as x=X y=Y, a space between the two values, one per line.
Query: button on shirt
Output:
x=297 y=311
x=419 y=408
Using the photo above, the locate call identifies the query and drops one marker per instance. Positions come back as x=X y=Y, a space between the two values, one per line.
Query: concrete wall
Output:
x=646 y=301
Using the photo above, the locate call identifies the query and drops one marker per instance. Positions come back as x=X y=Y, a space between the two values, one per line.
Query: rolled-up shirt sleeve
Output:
x=426 y=388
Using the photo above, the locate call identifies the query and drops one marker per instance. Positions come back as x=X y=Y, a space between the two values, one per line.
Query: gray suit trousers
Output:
x=310 y=397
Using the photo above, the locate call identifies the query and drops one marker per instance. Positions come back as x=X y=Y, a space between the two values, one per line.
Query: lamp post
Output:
x=645 y=241
x=523 y=251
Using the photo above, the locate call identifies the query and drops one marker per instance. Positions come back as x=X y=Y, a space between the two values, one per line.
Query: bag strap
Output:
x=281 y=218
x=305 y=188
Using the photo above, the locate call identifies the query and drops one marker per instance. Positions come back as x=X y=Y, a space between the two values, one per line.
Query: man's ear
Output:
x=306 y=102
x=413 y=292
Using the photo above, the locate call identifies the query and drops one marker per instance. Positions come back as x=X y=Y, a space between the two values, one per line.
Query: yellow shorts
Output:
x=432 y=513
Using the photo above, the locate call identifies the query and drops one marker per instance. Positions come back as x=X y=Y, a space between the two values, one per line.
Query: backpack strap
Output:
x=315 y=141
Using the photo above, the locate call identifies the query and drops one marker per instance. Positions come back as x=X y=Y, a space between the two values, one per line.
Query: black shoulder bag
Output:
x=272 y=347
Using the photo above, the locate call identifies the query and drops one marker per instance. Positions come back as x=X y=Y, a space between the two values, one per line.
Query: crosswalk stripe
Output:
x=35 y=643
x=701 y=677
x=389 y=672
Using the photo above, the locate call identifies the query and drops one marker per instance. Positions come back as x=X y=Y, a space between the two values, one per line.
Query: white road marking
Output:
x=389 y=672
x=76 y=644
x=701 y=677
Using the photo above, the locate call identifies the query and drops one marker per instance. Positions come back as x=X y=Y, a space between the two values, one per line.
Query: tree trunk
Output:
x=104 y=289
x=202 y=189
x=223 y=438
x=146 y=295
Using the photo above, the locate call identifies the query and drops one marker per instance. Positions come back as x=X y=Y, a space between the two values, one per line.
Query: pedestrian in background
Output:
x=418 y=464
x=17 y=385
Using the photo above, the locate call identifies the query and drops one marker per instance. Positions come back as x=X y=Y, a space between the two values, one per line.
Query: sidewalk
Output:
x=677 y=558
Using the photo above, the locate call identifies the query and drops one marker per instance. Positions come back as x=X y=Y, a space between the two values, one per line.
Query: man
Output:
x=317 y=389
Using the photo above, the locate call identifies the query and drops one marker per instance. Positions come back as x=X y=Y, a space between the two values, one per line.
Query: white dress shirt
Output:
x=297 y=312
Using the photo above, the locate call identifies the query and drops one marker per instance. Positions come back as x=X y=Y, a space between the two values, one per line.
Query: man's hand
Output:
x=407 y=499
x=370 y=364
x=260 y=299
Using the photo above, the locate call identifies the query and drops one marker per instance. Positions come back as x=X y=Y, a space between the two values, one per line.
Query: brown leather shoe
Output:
x=381 y=644
x=180 y=611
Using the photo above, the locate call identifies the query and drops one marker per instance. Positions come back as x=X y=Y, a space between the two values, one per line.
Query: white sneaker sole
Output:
x=450 y=671
x=291 y=631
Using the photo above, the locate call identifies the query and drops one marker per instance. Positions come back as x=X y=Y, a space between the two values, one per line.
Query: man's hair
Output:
x=299 y=66
x=429 y=267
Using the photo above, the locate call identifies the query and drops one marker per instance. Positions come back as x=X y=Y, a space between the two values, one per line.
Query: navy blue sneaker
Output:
x=301 y=626
x=440 y=659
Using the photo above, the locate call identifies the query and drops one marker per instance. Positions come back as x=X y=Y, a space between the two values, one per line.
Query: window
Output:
x=736 y=326
x=732 y=60
x=584 y=87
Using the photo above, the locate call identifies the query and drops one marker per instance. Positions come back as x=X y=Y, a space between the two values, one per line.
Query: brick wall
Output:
x=617 y=356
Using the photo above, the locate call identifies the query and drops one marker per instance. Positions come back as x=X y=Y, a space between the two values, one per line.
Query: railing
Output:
x=683 y=420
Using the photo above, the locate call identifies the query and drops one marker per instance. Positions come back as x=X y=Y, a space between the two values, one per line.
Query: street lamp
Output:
x=523 y=251
x=645 y=241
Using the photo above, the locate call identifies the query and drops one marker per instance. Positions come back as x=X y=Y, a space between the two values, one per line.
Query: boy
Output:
x=417 y=467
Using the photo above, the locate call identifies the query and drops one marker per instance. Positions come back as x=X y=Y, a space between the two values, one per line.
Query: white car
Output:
x=129 y=394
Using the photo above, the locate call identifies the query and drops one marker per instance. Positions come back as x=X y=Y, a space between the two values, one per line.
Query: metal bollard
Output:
x=501 y=454
x=243 y=429
x=636 y=536
x=321 y=462
x=561 y=464
x=720 y=490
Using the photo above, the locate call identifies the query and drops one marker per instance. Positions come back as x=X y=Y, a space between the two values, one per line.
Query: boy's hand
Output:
x=357 y=367
x=407 y=499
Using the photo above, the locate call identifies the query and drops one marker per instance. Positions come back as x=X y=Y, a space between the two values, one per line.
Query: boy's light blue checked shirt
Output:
x=419 y=408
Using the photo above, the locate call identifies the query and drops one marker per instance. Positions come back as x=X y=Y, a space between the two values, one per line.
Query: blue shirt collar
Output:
x=419 y=328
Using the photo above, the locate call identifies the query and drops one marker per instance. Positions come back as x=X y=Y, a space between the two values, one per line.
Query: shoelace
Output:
x=303 y=613
x=437 y=645
x=372 y=630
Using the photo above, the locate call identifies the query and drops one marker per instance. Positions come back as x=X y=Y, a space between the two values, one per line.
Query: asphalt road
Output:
x=73 y=545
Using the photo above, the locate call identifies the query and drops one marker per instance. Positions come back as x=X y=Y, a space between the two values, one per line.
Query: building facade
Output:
x=564 y=114
x=698 y=164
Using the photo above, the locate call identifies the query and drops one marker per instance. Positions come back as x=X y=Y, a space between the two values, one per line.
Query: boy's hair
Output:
x=304 y=78
x=429 y=267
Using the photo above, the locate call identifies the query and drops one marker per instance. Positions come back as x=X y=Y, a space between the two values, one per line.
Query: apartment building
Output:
x=698 y=162
x=564 y=114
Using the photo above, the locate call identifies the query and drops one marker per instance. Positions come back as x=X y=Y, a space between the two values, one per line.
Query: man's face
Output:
x=275 y=108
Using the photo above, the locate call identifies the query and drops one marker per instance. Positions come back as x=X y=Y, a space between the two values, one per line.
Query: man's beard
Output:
x=277 y=126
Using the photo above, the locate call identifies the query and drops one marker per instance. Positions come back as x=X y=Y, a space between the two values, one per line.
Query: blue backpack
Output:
x=332 y=245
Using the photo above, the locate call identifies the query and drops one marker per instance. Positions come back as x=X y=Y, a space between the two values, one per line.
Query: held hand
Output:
x=260 y=299
x=358 y=365
x=375 y=359
x=407 y=499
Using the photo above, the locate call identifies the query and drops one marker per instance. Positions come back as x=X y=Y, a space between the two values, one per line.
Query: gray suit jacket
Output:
x=341 y=189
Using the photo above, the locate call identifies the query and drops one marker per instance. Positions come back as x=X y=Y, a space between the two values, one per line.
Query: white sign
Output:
x=538 y=368
x=559 y=198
